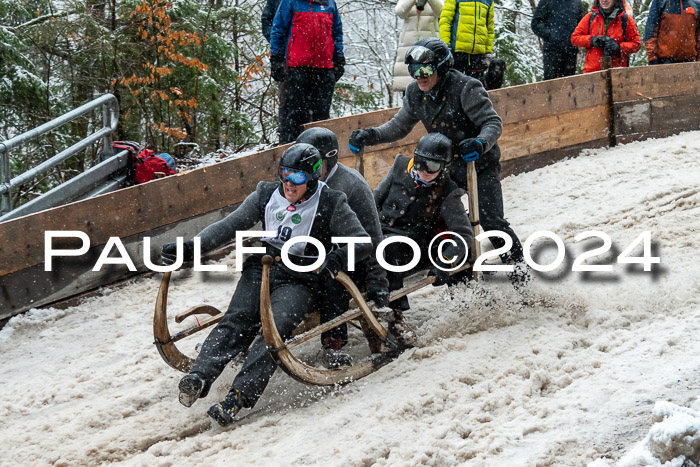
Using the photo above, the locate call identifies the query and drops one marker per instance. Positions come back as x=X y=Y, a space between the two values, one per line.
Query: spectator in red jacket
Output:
x=306 y=51
x=608 y=30
x=673 y=33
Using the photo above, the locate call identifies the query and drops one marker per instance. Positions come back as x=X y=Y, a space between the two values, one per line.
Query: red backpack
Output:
x=143 y=163
x=148 y=164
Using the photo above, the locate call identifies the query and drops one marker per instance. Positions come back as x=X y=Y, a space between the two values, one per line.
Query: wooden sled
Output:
x=280 y=350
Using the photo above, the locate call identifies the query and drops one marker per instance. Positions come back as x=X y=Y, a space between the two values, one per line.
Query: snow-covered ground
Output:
x=589 y=368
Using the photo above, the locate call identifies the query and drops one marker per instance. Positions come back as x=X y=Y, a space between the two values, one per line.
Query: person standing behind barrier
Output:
x=267 y=18
x=553 y=22
x=306 y=50
x=608 y=31
x=467 y=27
x=672 y=32
x=420 y=20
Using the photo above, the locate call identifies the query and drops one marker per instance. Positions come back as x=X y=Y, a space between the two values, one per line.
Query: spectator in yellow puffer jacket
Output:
x=467 y=27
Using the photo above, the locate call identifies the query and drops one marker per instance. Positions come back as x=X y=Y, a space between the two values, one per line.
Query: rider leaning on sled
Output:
x=298 y=205
x=369 y=274
x=449 y=102
x=418 y=199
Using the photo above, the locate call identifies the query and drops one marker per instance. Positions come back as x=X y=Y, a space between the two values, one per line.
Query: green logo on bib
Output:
x=296 y=218
x=280 y=215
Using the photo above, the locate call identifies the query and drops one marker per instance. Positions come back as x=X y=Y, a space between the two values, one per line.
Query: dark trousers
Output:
x=282 y=111
x=472 y=65
x=559 y=63
x=400 y=254
x=491 y=217
x=292 y=299
x=489 y=71
x=336 y=299
x=309 y=92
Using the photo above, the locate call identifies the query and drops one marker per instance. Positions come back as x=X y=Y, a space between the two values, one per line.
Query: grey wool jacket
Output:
x=360 y=200
x=458 y=107
x=419 y=212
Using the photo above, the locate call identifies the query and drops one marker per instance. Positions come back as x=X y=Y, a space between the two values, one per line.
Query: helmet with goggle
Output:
x=325 y=141
x=432 y=153
x=301 y=163
x=427 y=56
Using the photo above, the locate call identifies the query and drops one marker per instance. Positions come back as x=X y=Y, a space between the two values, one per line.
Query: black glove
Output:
x=441 y=277
x=379 y=295
x=332 y=265
x=338 y=66
x=470 y=149
x=277 y=67
x=598 y=42
x=611 y=47
x=360 y=138
x=168 y=254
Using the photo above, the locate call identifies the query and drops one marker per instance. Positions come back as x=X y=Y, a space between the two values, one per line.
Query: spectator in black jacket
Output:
x=553 y=22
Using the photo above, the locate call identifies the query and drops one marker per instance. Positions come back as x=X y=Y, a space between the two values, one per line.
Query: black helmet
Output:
x=322 y=139
x=433 y=51
x=301 y=157
x=325 y=141
x=432 y=153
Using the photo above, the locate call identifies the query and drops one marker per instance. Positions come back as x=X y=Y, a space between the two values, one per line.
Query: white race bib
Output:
x=290 y=220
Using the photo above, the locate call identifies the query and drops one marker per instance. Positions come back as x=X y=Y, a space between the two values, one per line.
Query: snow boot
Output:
x=404 y=333
x=335 y=358
x=520 y=276
x=225 y=411
x=191 y=387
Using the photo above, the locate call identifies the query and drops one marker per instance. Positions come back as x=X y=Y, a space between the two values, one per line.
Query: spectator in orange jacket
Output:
x=608 y=30
x=673 y=34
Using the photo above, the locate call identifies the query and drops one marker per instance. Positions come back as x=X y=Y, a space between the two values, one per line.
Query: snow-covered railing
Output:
x=110 y=118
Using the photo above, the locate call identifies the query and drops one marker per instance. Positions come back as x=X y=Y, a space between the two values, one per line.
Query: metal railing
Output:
x=110 y=118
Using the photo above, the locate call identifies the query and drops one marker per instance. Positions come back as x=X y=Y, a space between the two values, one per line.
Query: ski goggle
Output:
x=427 y=165
x=419 y=54
x=295 y=177
x=420 y=70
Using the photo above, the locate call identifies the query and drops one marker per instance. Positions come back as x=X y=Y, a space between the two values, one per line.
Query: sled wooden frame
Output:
x=279 y=349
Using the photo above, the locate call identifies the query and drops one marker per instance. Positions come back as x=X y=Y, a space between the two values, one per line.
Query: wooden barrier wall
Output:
x=542 y=122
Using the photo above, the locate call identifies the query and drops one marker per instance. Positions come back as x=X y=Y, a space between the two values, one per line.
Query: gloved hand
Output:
x=360 y=138
x=441 y=277
x=610 y=47
x=380 y=296
x=338 y=66
x=598 y=42
x=470 y=149
x=279 y=74
x=332 y=265
x=168 y=254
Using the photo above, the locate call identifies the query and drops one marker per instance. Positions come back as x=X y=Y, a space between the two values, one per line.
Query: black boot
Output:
x=404 y=333
x=333 y=355
x=225 y=411
x=191 y=387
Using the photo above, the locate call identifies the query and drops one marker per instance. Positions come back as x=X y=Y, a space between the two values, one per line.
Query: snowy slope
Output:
x=568 y=375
